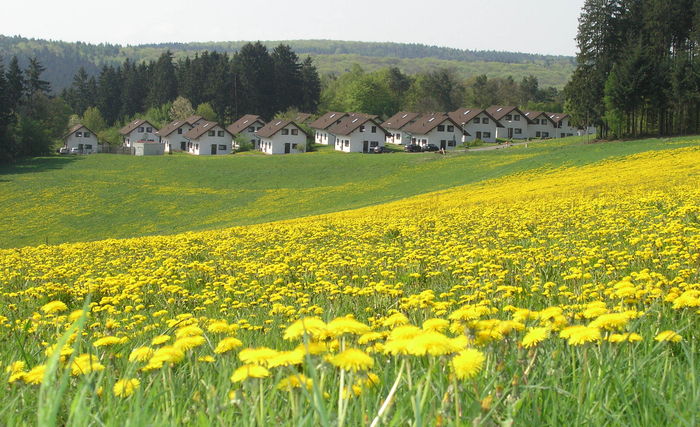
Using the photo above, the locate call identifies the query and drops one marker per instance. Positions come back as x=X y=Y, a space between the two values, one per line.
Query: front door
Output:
x=510 y=133
x=443 y=144
x=213 y=149
x=183 y=145
x=365 y=146
x=478 y=135
x=287 y=148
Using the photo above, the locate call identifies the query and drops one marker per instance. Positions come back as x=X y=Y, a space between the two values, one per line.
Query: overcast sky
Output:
x=539 y=26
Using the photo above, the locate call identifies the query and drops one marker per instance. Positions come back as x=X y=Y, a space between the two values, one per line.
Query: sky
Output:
x=539 y=26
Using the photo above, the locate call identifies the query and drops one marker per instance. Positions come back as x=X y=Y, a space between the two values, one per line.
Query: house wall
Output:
x=275 y=144
x=251 y=136
x=436 y=137
x=397 y=137
x=545 y=130
x=489 y=127
x=174 y=140
x=324 y=137
x=148 y=149
x=73 y=140
x=520 y=123
x=566 y=129
x=141 y=133
x=355 y=142
x=202 y=145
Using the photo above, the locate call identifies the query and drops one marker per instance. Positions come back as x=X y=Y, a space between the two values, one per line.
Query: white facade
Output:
x=514 y=126
x=215 y=141
x=288 y=140
x=446 y=136
x=83 y=139
x=148 y=149
x=145 y=132
x=249 y=133
x=324 y=137
x=176 y=141
x=397 y=137
x=360 y=141
x=541 y=128
x=565 y=129
x=480 y=127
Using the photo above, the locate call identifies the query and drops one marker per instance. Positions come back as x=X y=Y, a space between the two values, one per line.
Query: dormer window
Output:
x=509 y=117
x=86 y=134
x=285 y=131
x=516 y=117
x=149 y=129
x=141 y=129
x=374 y=129
x=362 y=128
x=179 y=131
x=450 y=128
x=78 y=134
x=477 y=120
x=295 y=131
x=485 y=120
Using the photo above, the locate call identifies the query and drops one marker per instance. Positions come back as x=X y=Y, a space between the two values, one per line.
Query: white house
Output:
x=563 y=125
x=246 y=127
x=322 y=124
x=172 y=136
x=513 y=120
x=358 y=133
x=209 y=139
x=476 y=123
x=396 y=125
x=82 y=139
x=436 y=128
x=138 y=130
x=540 y=125
x=282 y=137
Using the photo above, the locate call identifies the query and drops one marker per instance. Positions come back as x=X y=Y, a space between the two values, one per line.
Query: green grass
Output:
x=54 y=200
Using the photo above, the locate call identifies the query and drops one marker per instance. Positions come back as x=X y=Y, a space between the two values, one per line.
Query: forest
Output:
x=638 y=69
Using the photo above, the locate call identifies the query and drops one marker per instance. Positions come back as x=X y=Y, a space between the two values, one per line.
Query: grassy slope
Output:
x=67 y=199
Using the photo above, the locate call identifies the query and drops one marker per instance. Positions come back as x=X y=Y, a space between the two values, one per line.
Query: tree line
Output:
x=638 y=67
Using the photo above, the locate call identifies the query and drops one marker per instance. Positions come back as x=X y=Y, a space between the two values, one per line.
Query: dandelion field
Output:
x=554 y=296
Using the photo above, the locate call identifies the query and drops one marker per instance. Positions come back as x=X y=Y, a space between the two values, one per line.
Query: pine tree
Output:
x=34 y=82
x=256 y=79
x=287 y=72
x=109 y=89
x=163 y=81
x=310 y=86
x=16 y=84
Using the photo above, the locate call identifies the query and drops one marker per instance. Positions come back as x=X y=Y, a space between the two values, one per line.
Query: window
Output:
x=78 y=134
x=149 y=129
x=450 y=128
x=509 y=117
x=477 y=120
x=295 y=131
x=220 y=133
x=374 y=129
x=285 y=131
x=347 y=143
x=251 y=129
x=538 y=134
x=516 y=117
x=86 y=134
x=294 y=146
x=88 y=146
x=179 y=131
x=487 y=134
x=451 y=143
x=443 y=142
x=362 y=128
x=545 y=134
x=413 y=140
x=441 y=128
x=485 y=121
x=196 y=146
x=222 y=147
x=211 y=133
x=517 y=131
x=141 y=129
x=373 y=144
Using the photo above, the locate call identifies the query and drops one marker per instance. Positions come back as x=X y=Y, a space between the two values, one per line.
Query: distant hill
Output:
x=63 y=59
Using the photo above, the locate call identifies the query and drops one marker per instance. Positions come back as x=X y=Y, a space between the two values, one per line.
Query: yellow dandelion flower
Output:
x=206 y=359
x=535 y=336
x=75 y=315
x=352 y=359
x=627 y=337
x=86 y=363
x=107 y=341
x=311 y=326
x=35 y=375
x=368 y=337
x=287 y=358
x=437 y=325
x=17 y=366
x=395 y=320
x=65 y=351
x=432 y=343
x=126 y=387
x=405 y=332
x=260 y=355
x=227 y=344
x=668 y=336
x=312 y=348
x=188 y=331
x=167 y=354
x=54 y=307
x=295 y=381
x=584 y=335
x=219 y=327
x=189 y=342
x=140 y=354
x=611 y=321
x=160 y=339
x=467 y=363
x=346 y=325
x=249 y=371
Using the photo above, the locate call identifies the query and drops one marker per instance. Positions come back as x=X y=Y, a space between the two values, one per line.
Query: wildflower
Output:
x=312 y=326
x=468 y=363
x=220 y=327
x=611 y=321
x=86 y=363
x=287 y=358
x=352 y=359
x=628 y=337
x=668 y=336
x=189 y=342
x=160 y=339
x=188 y=331
x=295 y=381
x=249 y=371
x=35 y=375
x=584 y=335
x=65 y=351
x=140 y=354
x=535 y=336
x=437 y=325
x=346 y=325
x=369 y=337
x=206 y=359
x=394 y=320
x=227 y=344
x=126 y=387
x=107 y=341
x=54 y=307
x=260 y=355
x=167 y=354
x=430 y=342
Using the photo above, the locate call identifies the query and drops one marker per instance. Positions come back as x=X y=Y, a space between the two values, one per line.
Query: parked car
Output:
x=63 y=150
x=412 y=148
x=75 y=150
x=430 y=147
x=381 y=149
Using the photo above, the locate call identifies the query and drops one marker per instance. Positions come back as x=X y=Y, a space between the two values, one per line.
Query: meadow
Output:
x=56 y=200
x=559 y=286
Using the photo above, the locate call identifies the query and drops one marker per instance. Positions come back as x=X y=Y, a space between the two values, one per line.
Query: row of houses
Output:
x=347 y=132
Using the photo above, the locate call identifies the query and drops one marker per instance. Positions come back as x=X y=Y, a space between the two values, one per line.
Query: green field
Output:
x=54 y=200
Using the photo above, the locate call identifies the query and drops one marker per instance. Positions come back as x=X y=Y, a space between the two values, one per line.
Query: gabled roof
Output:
x=498 y=112
x=77 y=128
x=201 y=129
x=465 y=115
x=557 y=117
x=133 y=125
x=532 y=115
x=172 y=127
x=275 y=126
x=351 y=123
x=428 y=122
x=327 y=120
x=191 y=120
x=302 y=118
x=399 y=120
x=243 y=123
